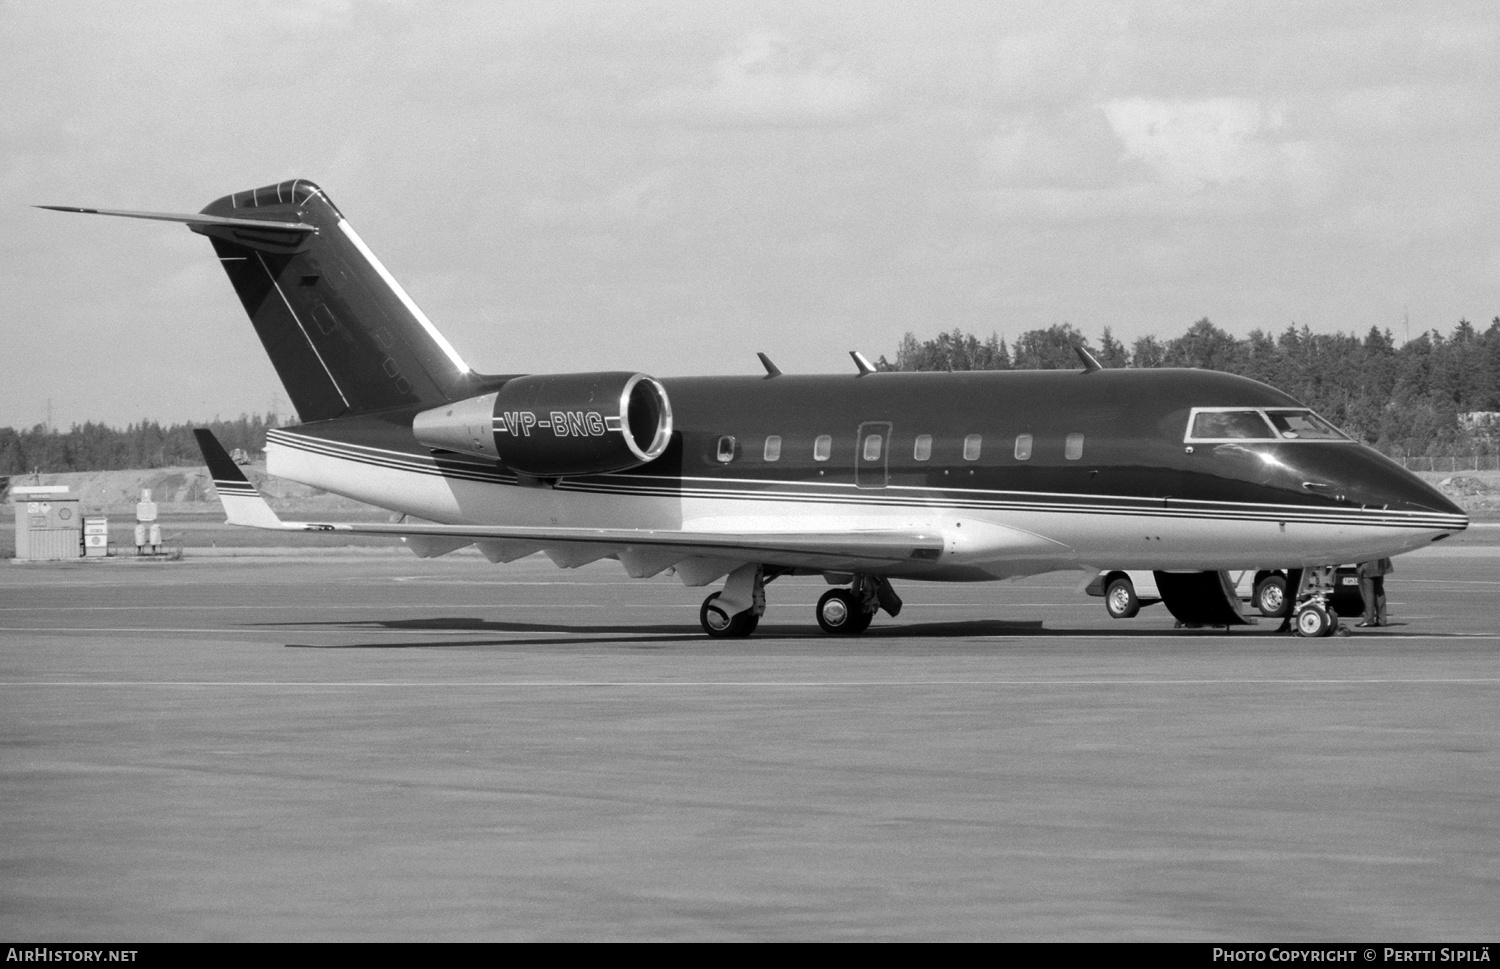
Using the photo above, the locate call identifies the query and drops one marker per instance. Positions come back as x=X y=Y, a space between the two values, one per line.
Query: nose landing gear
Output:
x=1313 y=616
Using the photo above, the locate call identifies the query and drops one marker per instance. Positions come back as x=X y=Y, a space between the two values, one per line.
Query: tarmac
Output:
x=360 y=745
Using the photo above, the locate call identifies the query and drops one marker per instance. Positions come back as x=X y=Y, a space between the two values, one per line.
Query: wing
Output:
x=700 y=556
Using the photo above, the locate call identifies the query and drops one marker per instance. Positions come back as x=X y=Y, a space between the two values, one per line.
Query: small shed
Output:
x=48 y=524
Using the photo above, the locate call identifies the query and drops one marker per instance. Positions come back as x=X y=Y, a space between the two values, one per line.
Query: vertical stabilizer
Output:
x=343 y=335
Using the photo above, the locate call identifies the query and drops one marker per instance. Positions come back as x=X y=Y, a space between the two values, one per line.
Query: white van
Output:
x=1125 y=592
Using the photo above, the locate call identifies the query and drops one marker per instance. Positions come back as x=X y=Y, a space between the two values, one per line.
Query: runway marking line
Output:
x=377 y=628
x=491 y=605
x=720 y=684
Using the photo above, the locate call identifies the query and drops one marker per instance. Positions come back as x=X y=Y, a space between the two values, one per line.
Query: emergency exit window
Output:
x=872 y=447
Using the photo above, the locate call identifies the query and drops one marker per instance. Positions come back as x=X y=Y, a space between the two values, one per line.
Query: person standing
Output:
x=1293 y=599
x=1372 y=590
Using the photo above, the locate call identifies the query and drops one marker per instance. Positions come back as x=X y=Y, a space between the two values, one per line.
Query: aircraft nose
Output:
x=1409 y=492
x=1366 y=477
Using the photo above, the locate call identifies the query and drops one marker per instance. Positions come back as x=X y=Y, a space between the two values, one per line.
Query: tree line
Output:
x=1432 y=395
x=97 y=447
x=1420 y=398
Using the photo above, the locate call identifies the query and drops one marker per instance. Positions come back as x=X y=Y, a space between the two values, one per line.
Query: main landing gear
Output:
x=849 y=612
x=735 y=612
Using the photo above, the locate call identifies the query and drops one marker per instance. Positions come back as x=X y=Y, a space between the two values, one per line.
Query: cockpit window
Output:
x=1303 y=425
x=1218 y=424
x=1229 y=425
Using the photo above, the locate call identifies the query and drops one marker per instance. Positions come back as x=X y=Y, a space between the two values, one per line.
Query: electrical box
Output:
x=95 y=536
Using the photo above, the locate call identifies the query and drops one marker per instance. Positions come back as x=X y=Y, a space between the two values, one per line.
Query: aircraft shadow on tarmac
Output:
x=665 y=633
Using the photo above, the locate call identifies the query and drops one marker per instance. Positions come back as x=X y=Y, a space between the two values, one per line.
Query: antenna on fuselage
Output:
x=865 y=366
x=771 y=369
x=1089 y=363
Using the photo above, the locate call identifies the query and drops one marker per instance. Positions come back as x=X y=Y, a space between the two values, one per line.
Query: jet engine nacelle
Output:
x=551 y=425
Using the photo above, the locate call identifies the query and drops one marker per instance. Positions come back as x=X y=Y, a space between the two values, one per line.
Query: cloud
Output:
x=1072 y=150
x=1396 y=109
x=1211 y=141
x=766 y=81
x=641 y=200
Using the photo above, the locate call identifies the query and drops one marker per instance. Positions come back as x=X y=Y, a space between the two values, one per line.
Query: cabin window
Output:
x=726 y=449
x=773 y=448
x=1023 y=447
x=923 y=450
x=822 y=447
x=872 y=447
x=971 y=447
x=1073 y=447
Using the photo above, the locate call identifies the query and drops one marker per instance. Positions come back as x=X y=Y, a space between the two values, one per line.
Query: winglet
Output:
x=242 y=503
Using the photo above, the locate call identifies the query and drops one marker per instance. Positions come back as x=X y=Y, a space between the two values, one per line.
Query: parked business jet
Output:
x=862 y=478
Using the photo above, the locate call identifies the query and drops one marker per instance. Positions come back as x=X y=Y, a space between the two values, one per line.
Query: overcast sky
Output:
x=672 y=186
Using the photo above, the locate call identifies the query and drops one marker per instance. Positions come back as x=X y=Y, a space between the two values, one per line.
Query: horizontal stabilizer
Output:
x=243 y=504
x=197 y=219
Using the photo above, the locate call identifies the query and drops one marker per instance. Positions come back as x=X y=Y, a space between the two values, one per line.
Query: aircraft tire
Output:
x=720 y=626
x=1313 y=621
x=840 y=615
x=1120 y=600
x=1271 y=599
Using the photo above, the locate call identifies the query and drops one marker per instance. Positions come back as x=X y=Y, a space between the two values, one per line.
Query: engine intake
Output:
x=552 y=425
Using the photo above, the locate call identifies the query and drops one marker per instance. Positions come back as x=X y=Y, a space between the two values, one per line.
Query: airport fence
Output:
x=1449 y=463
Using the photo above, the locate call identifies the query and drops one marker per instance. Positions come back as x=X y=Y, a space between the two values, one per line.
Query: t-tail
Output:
x=343 y=335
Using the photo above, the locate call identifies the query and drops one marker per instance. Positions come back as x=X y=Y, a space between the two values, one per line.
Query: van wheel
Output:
x=1270 y=596
x=1120 y=599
